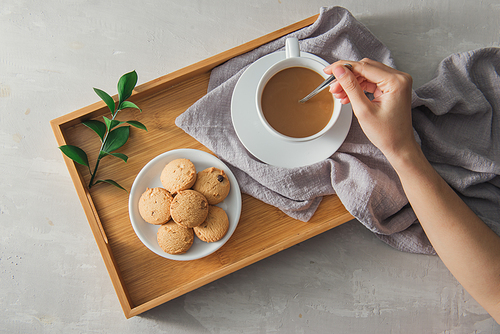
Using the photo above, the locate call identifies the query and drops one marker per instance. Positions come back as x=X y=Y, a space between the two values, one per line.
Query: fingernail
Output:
x=339 y=71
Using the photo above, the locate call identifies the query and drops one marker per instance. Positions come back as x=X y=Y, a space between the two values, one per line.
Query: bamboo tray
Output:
x=134 y=270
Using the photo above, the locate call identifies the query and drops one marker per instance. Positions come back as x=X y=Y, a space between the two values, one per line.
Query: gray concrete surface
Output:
x=52 y=277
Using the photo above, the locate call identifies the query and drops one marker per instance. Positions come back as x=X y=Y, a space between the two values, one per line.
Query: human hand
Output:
x=386 y=120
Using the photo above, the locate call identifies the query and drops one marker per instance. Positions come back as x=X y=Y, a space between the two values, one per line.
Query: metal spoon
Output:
x=318 y=89
x=325 y=84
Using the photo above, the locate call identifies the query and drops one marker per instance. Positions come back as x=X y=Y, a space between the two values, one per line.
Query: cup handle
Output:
x=292 y=47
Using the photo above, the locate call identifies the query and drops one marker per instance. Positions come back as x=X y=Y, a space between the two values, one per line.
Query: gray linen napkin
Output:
x=457 y=117
x=358 y=172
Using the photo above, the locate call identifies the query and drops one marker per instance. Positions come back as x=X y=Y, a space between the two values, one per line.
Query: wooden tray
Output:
x=134 y=270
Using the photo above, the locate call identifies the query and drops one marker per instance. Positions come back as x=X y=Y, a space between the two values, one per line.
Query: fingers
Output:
x=347 y=88
x=356 y=77
x=337 y=90
x=371 y=70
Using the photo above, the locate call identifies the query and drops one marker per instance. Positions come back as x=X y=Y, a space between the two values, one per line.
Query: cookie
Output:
x=213 y=183
x=177 y=175
x=214 y=227
x=174 y=239
x=189 y=208
x=154 y=205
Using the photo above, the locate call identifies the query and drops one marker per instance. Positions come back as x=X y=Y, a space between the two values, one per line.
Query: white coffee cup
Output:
x=294 y=59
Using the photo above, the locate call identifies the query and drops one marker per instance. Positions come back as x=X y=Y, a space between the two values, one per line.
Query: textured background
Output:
x=52 y=277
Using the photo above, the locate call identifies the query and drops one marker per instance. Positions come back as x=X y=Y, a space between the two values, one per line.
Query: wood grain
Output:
x=134 y=270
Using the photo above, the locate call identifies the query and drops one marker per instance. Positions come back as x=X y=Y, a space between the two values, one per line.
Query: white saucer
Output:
x=262 y=144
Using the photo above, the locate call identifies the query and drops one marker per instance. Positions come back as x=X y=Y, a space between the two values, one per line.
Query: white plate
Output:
x=262 y=144
x=149 y=176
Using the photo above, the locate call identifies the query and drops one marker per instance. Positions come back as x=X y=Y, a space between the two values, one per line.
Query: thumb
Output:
x=350 y=85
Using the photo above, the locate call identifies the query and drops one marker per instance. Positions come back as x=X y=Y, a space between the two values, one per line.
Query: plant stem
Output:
x=92 y=175
x=95 y=172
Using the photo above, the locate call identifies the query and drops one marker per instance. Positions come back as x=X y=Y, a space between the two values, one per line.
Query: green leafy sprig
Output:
x=112 y=133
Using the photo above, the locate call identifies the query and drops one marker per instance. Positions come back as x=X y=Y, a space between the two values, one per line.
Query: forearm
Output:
x=469 y=248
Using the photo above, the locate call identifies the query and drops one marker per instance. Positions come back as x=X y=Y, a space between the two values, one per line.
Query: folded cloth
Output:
x=457 y=117
x=358 y=172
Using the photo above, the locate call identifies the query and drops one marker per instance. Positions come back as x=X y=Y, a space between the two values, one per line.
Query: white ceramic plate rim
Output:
x=149 y=176
x=264 y=145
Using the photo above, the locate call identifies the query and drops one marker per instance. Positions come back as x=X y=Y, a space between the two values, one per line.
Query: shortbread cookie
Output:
x=189 y=208
x=174 y=239
x=177 y=175
x=213 y=183
x=154 y=205
x=214 y=227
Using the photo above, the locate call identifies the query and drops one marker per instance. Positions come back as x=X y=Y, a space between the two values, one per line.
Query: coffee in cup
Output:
x=280 y=89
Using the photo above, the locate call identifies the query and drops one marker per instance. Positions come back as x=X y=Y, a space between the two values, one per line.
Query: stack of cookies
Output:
x=185 y=206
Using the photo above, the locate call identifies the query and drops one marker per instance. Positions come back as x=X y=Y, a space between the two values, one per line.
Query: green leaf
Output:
x=110 y=182
x=102 y=154
x=118 y=155
x=111 y=123
x=116 y=139
x=107 y=99
x=107 y=121
x=98 y=126
x=137 y=125
x=126 y=85
x=128 y=104
x=76 y=154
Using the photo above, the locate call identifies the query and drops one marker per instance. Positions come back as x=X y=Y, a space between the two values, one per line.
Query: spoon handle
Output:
x=323 y=85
